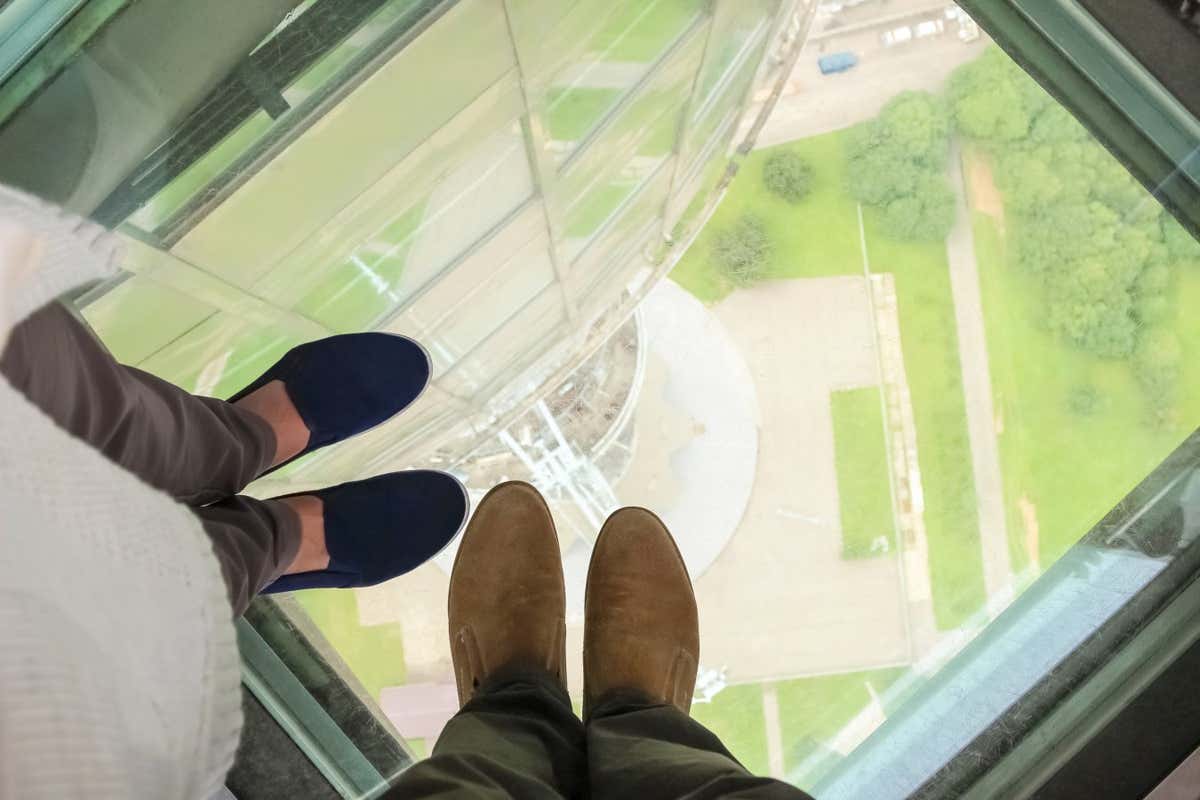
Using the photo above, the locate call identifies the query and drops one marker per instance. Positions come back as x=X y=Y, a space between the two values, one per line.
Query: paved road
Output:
x=977 y=388
x=816 y=103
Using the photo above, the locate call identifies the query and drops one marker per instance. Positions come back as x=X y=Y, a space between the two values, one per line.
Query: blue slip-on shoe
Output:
x=346 y=384
x=382 y=527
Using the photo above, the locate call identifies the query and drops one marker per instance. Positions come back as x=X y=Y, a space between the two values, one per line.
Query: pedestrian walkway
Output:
x=977 y=389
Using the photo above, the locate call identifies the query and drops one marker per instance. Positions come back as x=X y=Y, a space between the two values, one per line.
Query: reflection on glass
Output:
x=629 y=151
x=352 y=153
x=169 y=313
x=388 y=265
x=601 y=202
x=306 y=58
x=617 y=53
x=738 y=27
x=625 y=240
x=219 y=356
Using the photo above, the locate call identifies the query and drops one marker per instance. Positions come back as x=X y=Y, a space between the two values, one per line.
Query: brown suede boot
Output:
x=507 y=599
x=641 y=629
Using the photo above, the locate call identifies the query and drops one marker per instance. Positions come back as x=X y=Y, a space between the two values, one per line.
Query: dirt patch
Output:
x=1029 y=518
x=981 y=184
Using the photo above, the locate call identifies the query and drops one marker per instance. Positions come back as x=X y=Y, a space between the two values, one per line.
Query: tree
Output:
x=895 y=163
x=741 y=250
x=927 y=214
x=1091 y=306
x=987 y=100
x=1181 y=245
x=1054 y=125
x=1028 y=180
x=1113 y=185
x=916 y=125
x=1153 y=280
x=1150 y=309
x=1061 y=234
x=1083 y=400
x=787 y=175
x=1156 y=364
x=877 y=172
x=1079 y=225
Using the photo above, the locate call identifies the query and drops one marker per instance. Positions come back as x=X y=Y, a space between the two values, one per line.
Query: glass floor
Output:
x=931 y=334
x=870 y=447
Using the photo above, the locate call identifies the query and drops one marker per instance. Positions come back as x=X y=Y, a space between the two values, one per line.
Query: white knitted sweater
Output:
x=118 y=665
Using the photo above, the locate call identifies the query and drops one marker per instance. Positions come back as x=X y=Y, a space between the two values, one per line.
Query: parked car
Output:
x=837 y=62
x=896 y=36
x=930 y=28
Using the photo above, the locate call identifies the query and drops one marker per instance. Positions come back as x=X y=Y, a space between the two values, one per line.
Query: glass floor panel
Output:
x=873 y=441
x=930 y=336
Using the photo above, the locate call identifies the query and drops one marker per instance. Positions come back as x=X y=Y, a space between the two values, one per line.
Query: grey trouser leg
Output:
x=518 y=738
x=255 y=541
x=197 y=449
x=641 y=749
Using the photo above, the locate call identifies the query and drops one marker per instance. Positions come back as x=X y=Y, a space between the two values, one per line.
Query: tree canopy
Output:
x=741 y=250
x=896 y=163
x=1101 y=251
x=925 y=214
x=992 y=99
x=786 y=174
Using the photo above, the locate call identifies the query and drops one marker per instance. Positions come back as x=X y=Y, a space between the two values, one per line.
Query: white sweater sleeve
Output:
x=118 y=664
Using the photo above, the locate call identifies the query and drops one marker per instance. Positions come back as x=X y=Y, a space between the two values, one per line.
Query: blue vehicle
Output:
x=837 y=62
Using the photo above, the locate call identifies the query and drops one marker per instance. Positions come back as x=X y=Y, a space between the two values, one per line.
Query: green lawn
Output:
x=1049 y=452
x=864 y=493
x=735 y=715
x=929 y=339
x=374 y=653
x=818 y=236
x=813 y=710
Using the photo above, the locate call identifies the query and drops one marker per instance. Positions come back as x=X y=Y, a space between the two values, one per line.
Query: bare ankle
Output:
x=272 y=404
x=312 y=555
